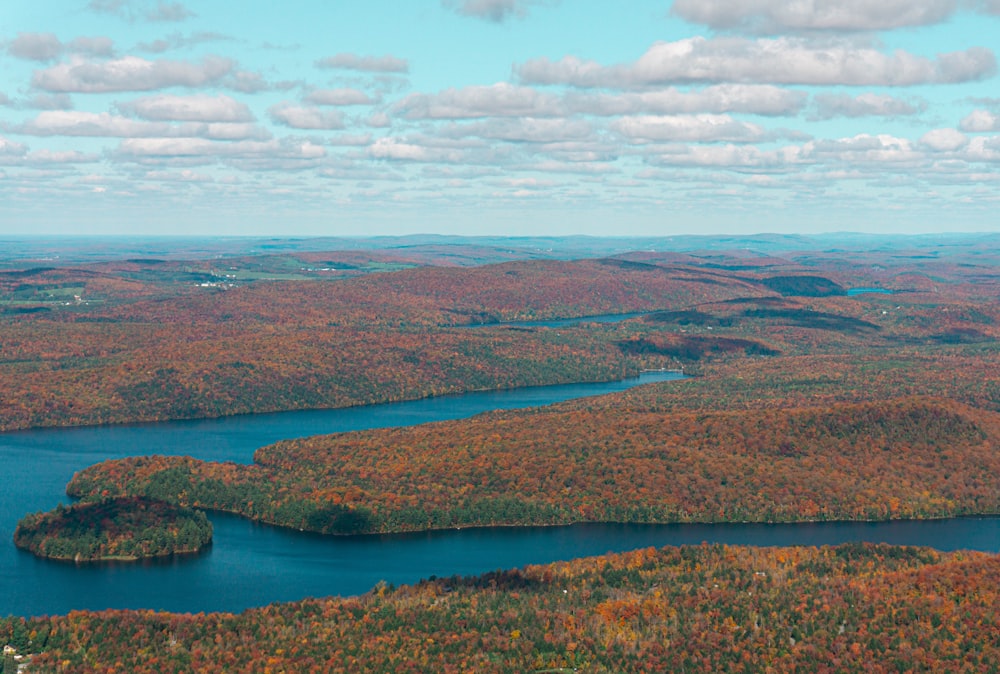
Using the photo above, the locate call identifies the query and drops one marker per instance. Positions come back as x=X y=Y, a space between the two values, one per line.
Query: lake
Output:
x=252 y=565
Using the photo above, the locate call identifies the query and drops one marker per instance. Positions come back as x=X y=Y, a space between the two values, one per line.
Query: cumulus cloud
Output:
x=756 y=99
x=740 y=158
x=687 y=128
x=169 y=11
x=522 y=130
x=35 y=46
x=372 y=64
x=179 y=41
x=47 y=47
x=944 y=140
x=185 y=176
x=378 y=120
x=784 y=60
x=980 y=120
x=778 y=16
x=141 y=10
x=61 y=157
x=94 y=46
x=195 y=108
x=79 y=123
x=496 y=11
x=156 y=150
x=49 y=102
x=397 y=149
x=130 y=73
x=344 y=96
x=496 y=100
x=297 y=117
x=9 y=147
x=865 y=148
x=829 y=106
x=506 y=100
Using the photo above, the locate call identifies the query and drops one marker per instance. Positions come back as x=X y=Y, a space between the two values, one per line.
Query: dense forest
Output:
x=909 y=458
x=851 y=608
x=147 y=340
x=824 y=385
x=125 y=529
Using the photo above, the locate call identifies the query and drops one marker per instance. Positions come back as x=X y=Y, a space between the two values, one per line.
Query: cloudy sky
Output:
x=644 y=117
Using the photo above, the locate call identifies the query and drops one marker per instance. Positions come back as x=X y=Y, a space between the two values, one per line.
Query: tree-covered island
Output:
x=126 y=529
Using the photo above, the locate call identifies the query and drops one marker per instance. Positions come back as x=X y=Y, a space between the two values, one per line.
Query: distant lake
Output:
x=861 y=291
x=252 y=565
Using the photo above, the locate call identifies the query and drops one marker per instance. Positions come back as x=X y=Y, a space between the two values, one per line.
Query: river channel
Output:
x=252 y=565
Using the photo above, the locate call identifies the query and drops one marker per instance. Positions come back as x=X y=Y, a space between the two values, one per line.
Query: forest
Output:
x=122 y=529
x=823 y=384
x=909 y=458
x=850 y=608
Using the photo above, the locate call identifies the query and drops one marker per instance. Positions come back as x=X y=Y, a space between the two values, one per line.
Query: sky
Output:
x=520 y=117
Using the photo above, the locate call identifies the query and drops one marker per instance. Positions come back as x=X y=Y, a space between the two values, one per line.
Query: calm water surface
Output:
x=252 y=565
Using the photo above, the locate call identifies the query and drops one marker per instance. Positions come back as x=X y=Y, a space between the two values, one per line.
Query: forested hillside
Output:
x=852 y=608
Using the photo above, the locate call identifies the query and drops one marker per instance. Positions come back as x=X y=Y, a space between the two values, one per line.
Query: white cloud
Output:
x=506 y=100
x=9 y=147
x=169 y=11
x=135 y=10
x=866 y=148
x=179 y=41
x=979 y=121
x=49 y=102
x=983 y=149
x=396 y=149
x=687 y=128
x=776 y=61
x=777 y=16
x=185 y=176
x=829 y=106
x=138 y=149
x=758 y=99
x=131 y=73
x=305 y=118
x=77 y=123
x=376 y=64
x=523 y=129
x=94 y=46
x=496 y=11
x=63 y=157
x=344 y=96
x=733 y=157
x=35 y=46
x=378 y=120
x=195 y=108
x=944 y=140
x=496 y=100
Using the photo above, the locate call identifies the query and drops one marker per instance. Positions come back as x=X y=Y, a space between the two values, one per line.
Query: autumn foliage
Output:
x=127 y=528
x=907 y=458
x=851 y=608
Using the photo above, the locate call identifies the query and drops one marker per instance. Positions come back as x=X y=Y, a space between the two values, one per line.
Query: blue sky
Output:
x=517 y=117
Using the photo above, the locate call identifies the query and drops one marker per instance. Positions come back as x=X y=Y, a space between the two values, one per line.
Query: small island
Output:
x=123 y=529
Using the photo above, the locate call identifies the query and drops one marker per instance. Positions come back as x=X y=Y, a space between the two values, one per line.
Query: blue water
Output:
x=252 y=565
x=861 y=291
